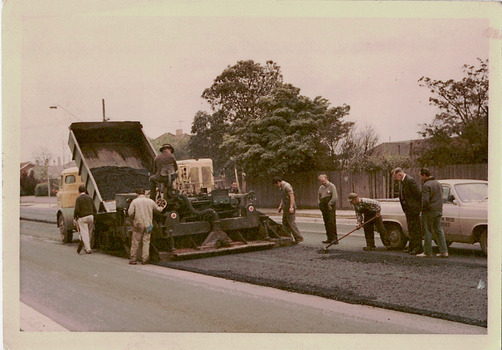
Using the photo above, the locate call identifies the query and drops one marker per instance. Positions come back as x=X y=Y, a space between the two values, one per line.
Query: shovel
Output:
x=345 y=235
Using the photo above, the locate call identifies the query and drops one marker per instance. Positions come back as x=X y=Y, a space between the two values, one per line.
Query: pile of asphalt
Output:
x=112 y=180
x=434 y=287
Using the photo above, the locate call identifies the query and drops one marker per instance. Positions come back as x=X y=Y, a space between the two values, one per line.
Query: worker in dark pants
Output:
x=367 y=209
x=327 y=197
x=410 y=197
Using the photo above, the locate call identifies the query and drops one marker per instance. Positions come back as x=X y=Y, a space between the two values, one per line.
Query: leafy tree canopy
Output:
x=459 y=132
x=208 y=130
x=264 y=126
x=238 y=89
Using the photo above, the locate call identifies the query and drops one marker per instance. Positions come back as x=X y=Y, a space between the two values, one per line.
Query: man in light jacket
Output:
x=141 y=212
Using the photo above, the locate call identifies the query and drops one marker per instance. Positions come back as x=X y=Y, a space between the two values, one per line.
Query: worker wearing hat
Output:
x=165 y=157
x=367 y=209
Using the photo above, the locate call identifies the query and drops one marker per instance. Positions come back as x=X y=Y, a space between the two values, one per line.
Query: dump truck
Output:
x=198 y=220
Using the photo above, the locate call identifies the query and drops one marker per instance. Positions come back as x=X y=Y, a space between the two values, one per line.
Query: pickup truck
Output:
x=465 y=214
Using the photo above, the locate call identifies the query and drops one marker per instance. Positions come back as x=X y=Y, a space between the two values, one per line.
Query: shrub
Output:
x=28 y=183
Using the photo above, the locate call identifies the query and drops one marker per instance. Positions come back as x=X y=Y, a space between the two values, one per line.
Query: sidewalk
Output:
x=33 y=321
x=35 y=199
x=38 y=202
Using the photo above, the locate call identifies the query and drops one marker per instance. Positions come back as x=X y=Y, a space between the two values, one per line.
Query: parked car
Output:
x=465 y=214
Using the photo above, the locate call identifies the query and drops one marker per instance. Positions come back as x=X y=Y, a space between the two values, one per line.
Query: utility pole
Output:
x=104 y=117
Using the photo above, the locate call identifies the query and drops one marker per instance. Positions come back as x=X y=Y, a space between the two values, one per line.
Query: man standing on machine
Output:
x=165 y=158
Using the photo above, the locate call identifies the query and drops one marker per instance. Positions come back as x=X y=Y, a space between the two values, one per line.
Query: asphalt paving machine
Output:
x=197 y=220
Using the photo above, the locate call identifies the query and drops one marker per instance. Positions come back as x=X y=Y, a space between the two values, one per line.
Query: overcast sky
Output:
x=154 y=68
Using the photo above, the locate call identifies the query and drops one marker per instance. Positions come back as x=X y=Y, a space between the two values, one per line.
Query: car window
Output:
x=472 y=192
x=70 y=179
x=446 y=193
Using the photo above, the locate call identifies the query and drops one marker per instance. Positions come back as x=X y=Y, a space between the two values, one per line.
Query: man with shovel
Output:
x=369 y=210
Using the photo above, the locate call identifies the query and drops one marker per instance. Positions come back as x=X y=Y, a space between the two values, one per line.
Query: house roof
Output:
x=25 y=164
x=403 y=148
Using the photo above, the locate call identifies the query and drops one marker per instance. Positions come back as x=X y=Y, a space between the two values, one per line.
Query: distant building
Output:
x=56 y=168
x=400 y=148
x=179 y=141
x=26 y=168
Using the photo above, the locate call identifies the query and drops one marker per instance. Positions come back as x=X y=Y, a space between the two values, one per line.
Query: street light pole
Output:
x=47 y=161
x=67 y=111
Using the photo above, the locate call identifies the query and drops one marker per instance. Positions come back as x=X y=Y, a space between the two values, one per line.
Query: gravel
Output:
x=441 y=288
x=112 y=180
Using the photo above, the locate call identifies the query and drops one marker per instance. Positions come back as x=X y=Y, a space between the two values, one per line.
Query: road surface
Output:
x=100 y=292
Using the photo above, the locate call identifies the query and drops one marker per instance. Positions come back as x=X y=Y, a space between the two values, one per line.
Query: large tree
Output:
x=208 y=130
x=459 y=132
x=234 y=98
x=290 y=137
x=263 y=126
x=333 y=130
x=238 y=90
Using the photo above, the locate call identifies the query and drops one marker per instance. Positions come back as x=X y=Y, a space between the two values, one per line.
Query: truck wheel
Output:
x=483 y=241
x=396 y=236
x=66 y=235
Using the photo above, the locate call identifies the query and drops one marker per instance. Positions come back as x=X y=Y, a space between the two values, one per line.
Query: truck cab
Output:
x=69 y=182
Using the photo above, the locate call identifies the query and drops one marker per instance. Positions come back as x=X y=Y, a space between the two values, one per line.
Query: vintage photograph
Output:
x=205 y=174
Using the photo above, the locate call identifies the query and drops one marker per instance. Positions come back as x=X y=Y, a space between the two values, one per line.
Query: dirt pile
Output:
x=112 y=180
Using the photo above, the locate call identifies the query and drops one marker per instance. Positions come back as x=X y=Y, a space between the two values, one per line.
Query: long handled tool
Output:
x=345 y=235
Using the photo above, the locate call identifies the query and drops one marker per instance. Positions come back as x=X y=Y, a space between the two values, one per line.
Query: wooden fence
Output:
x=378 y=184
